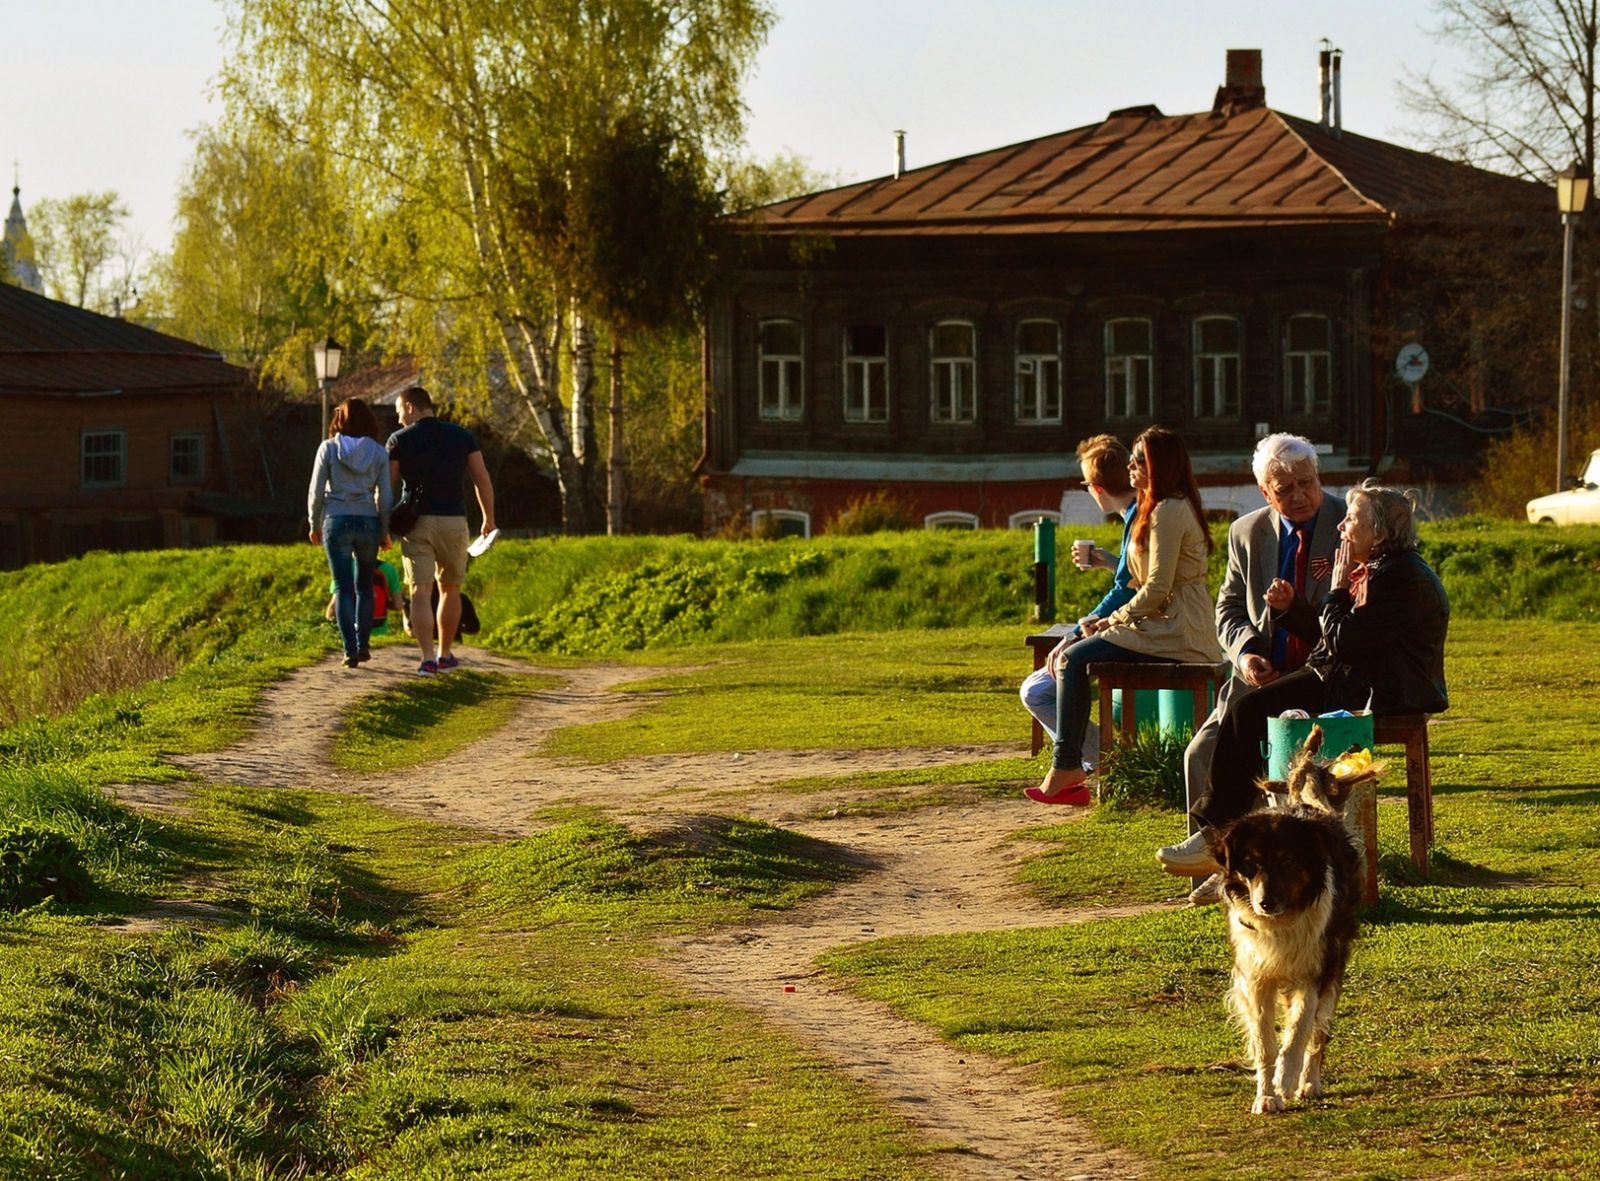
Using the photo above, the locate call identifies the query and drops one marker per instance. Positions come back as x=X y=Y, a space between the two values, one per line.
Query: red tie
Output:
x=1295 y=650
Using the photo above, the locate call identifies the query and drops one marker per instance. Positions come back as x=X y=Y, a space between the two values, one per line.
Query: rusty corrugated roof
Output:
x=52 y=348
x=1141 y=170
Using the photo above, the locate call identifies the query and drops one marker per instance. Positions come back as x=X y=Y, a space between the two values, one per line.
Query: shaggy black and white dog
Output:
x=1292 y=885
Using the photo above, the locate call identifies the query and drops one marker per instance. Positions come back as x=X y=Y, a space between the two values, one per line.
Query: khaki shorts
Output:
x=435 y=550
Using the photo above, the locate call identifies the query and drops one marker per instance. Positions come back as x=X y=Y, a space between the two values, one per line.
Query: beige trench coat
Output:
x=1171 y=613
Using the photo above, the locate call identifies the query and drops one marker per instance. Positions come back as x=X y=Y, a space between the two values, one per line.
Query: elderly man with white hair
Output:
x=1293 y=540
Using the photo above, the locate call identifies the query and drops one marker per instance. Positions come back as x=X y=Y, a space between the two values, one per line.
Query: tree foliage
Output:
x=257 y=268
x=78 y=244
x=665 y=392
x=471 y=138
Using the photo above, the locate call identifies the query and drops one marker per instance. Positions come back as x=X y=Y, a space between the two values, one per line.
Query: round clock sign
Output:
x=1411 y=365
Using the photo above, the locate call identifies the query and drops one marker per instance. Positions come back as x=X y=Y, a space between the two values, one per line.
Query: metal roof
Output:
x=52 y=348
x=1141 y=170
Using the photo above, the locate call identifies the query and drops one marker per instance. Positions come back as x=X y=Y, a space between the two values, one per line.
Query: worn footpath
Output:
x=932 y=869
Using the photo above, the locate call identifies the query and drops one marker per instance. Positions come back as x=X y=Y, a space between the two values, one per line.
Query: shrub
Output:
x=39 y=862
x=1522 y=465
x=873 y=512
x=1145 y=771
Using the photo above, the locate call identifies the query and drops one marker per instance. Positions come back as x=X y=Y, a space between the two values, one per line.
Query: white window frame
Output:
x=1030 y=517
x=1304 y=398
x=199 y=441
x=1043 y=372
x=950 y=519
x=1123 y=371
x=960 y=374
x=782 y=514
x=1225 y=400
x=786 y=403
x=119 y=451
x=864 y=374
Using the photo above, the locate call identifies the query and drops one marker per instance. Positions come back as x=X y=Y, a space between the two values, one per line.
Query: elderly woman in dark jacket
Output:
x=1382 y=641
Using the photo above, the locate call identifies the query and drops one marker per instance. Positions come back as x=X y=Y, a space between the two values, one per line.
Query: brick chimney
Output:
x=1243 y=89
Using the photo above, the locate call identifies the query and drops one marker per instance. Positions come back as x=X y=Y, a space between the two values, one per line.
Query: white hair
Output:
x=1281 y=452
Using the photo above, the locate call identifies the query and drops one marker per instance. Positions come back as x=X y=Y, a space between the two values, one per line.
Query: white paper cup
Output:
x=1081 y=549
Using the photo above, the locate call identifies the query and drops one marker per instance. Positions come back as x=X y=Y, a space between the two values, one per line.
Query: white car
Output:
x=1575 y=506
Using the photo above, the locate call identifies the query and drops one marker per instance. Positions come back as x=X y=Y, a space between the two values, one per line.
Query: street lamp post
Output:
x=328 y=353
x=1572 y=194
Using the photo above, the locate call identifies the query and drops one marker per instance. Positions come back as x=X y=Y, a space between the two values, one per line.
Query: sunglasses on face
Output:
x=1137 y=459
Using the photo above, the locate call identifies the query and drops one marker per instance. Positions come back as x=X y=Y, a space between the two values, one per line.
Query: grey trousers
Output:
x=1197 y=755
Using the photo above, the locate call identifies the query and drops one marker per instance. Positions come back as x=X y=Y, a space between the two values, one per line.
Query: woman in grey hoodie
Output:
x=348 y=505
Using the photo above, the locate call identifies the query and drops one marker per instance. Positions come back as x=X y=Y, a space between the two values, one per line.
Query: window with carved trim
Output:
x=1038 y=372
x=1130 y=368
x=782 y=371
x=1216 y=367
x=1308 y=364
x=954 y=351
x=866 y=373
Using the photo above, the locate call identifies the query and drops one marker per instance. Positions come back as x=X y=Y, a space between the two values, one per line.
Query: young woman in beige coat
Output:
x=1169 y=618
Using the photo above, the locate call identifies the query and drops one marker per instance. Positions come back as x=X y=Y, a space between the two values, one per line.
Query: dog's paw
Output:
x=1309 y=1090
x=1266 y=1105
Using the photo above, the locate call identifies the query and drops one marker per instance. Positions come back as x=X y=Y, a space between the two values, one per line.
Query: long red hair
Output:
x=1168 y=473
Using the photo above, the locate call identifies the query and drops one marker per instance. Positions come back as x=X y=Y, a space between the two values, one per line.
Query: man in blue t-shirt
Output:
x=431 y=456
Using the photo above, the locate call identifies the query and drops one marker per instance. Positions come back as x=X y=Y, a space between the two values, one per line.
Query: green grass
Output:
x=1470 y=1028
x=371 y=996
x=868 y=689
x=382 y=997
x=1465 y=1043
x=429 y=719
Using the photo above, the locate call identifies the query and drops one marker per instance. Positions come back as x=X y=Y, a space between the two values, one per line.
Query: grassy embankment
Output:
x=379 y=993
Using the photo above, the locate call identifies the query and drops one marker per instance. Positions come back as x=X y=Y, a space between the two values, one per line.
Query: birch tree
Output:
x=454 y=124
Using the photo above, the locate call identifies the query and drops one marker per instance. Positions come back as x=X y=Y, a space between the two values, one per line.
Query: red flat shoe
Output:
x=1078 y=797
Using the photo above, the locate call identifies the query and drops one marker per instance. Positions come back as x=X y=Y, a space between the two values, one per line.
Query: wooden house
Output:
x=949 y=333
x=118 y=437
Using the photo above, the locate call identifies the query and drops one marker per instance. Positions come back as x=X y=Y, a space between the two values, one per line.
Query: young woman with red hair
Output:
x=1171 y=616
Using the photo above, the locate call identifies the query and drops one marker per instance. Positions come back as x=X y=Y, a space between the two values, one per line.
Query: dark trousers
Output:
x=1072 y=695
x=1237 y=761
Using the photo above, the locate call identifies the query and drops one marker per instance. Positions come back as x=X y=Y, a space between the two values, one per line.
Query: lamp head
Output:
x=327 y=354
x=1572 y=189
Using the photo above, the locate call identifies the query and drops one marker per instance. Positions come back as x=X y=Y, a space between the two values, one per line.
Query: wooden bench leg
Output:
x=1038 y=736
x=1365 y=805
x=1105 y=721
x=1419 y=799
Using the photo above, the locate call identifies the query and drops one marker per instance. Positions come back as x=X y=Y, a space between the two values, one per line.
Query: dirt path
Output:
x=931 y=870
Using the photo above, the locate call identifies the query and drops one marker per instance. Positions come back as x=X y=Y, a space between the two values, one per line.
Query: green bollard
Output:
x=1044 y=571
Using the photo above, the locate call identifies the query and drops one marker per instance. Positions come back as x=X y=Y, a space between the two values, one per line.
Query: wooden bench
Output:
x=1410 y=731
x=1131 y=676
x=1407 y=730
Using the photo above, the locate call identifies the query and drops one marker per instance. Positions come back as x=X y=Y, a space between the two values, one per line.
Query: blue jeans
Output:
x=1072 y=695
x=352 y=546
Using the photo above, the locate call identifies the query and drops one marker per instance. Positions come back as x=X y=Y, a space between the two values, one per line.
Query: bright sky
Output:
x=102 y=94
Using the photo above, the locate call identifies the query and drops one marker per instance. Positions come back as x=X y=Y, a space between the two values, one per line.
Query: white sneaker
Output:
x=1208 y=892
x=1188 y=858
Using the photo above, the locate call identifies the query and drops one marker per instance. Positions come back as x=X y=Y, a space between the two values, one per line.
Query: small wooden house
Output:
x=949 y=333
x=118 y=437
